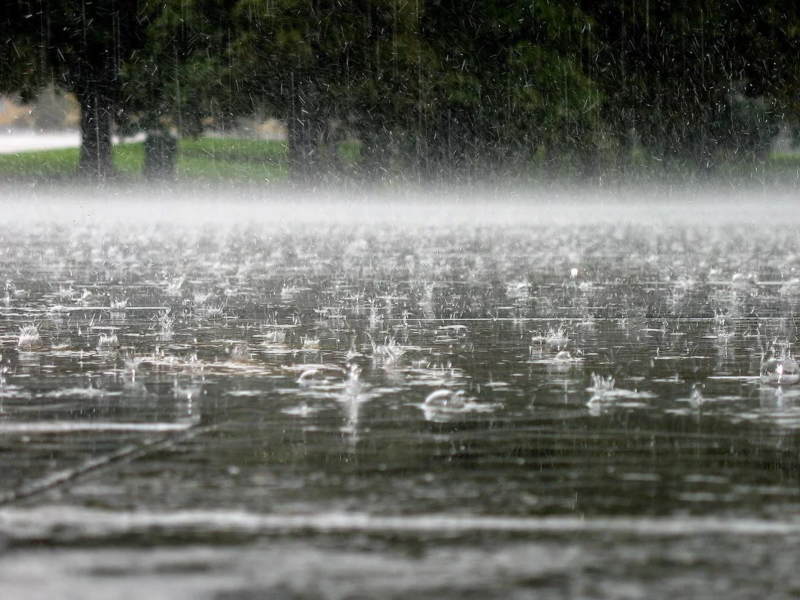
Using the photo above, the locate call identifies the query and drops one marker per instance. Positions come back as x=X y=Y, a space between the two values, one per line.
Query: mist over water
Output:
x=562 y=203
x=554 y=392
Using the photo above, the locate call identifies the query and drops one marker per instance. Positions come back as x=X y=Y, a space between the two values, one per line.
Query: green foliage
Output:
x=507 y=84
x=179 y=77
x=19 y=60
x=430 y=88
x=679 y=77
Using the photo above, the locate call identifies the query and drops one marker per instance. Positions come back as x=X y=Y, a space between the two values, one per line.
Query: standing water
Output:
x=379 y=398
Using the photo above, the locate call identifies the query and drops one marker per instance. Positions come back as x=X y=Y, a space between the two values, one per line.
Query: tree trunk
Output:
x=96 y=115
x=435 y=159
x=303 y=130
x=160 y=151
x=304 y=155
x=587 y=153
x=376 y=151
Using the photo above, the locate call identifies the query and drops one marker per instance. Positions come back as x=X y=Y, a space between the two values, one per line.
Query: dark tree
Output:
x=85 y=45
x=17 y=56
x=78 y=45
x=695 y=79
x=284 y=66
x=181 y=76
x=455 y=89
x=335 y=69
x=508 y=85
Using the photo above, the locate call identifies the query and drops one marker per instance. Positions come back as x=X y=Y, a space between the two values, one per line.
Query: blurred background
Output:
x=401 y=90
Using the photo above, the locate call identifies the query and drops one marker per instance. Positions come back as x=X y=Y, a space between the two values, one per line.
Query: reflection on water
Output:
x=582 y=372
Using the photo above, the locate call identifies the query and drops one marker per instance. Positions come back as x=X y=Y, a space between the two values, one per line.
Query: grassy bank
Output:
x=207 y=158
x=261 y=161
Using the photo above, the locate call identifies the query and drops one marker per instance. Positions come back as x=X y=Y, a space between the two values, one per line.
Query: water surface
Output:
x=243 y=384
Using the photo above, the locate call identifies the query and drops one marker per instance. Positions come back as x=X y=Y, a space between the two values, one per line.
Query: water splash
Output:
x=29 y=338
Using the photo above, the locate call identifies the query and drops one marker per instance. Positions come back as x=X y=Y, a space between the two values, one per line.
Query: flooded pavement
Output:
x=279 y=400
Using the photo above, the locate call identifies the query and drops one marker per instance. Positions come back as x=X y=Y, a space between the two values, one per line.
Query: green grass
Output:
x=259 y=161
x=201 y=159
x=45 y=163
x=128 y=160
x=232 y=159
x=195 y=168
x=235 y=150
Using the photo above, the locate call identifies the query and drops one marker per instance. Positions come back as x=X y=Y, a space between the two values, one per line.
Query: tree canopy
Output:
x=427 y=88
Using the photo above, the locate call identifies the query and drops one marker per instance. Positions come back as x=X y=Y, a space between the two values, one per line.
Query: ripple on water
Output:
x=253 y=332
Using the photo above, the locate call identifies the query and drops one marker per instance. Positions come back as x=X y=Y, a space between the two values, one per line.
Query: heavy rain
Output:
x=385 y=298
